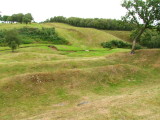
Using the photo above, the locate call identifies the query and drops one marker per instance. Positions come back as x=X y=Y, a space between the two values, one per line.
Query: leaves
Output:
x=142 y=12
x=12 y=39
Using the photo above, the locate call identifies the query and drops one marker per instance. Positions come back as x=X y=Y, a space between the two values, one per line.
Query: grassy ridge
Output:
x=39 y=78
x=82 y=37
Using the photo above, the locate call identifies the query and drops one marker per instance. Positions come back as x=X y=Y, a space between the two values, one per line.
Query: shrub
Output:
x=44 y=35
x=118 y=44
x=12 y=39
x=150 y=39
x=2 y=39
x=106 y=45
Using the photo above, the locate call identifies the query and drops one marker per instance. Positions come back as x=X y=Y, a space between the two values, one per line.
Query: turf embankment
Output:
x=39 y=83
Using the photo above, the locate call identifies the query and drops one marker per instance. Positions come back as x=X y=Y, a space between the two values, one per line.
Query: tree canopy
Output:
x=20 y=18
x=99 y=23
x=12 y=39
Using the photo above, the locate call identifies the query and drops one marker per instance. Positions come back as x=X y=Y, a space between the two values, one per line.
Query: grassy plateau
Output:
x=80 y=81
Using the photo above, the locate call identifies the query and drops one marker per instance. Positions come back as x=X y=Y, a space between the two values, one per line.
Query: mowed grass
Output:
x=37 y=82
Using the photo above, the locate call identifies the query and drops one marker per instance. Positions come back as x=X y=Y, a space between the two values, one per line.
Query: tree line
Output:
x=19 y=18
x=98 y=23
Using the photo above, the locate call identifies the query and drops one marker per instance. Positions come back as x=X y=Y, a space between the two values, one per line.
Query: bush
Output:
x=106 y=45
x=27 y=41
x=12 y=39
x=150 y=39
x=44 y=35
x=31 y=35
x=118 y=44
x=2 y=39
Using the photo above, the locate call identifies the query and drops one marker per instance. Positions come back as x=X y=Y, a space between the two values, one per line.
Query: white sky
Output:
x=43 y=9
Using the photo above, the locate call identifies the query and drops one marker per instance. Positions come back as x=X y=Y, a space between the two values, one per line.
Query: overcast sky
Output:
x=43 y=9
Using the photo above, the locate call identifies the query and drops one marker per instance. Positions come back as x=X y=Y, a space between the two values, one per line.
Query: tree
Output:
x=27 y=18
x=4 y=18
x=20 y=17
x=0 y=18
x=142 y=13
x=10 y=19
x=12 y=39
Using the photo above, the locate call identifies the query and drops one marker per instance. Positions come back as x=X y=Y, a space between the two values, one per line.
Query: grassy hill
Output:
x=81 y=81
x=82 y=37
x=77 y=36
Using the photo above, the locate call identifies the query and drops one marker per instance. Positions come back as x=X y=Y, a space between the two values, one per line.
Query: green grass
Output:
x=82 y=37
x=124 y=35
x=32 y=79
x=12 y=26
x=93 y=53
x=39 y=82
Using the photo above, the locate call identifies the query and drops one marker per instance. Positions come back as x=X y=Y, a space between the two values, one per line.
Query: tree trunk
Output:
x=135 y=40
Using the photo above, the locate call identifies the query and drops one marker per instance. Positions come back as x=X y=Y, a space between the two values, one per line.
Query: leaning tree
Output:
x=143 y=14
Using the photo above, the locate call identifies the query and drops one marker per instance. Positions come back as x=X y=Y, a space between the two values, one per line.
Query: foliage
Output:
x=12 y=39
x=30 y=35
x=2 y=39
x=0 y=17
x=118 y=44
x=44 y=34
x=150 y=39
x=105 y=24
x=139 y=11
x=4 y=18
x=20 y=18
x=27 y=18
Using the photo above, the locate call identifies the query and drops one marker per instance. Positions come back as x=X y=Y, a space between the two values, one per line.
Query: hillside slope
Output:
x=78 y=36
x=82 y=37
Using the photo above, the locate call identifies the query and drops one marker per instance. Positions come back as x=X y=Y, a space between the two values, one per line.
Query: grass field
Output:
x=84 y=82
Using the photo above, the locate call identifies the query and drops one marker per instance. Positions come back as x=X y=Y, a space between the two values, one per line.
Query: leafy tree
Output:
x=20 y=17
x=12 y=39
x=99 y=23
x=17 y=18
x=27 y=18
x=150 y=39
x=0 y=18
x=14 y=18
x=142 y=13
x=10 y=19
x=4 y=18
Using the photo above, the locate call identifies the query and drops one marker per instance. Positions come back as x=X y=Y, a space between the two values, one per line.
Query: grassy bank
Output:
x=38 y=81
